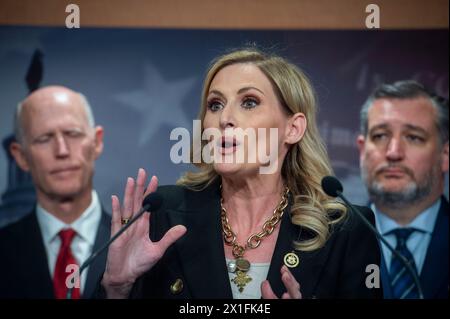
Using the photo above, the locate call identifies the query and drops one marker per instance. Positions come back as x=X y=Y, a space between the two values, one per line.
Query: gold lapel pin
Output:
x=177 y=286
x=291 y=260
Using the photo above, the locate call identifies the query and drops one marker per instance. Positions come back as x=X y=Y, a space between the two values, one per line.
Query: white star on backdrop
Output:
x=158 y=101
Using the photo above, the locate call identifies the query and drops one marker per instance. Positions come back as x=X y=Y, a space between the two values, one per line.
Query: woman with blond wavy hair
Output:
x=230 y=231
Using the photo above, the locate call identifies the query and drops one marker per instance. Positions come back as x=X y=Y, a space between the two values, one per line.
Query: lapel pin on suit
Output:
x=177 y=287
x=291 y=260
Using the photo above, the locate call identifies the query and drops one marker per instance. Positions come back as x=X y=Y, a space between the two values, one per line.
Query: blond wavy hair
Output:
x=306 y=161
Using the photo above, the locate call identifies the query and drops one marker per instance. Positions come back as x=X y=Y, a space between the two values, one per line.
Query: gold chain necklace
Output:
x=241 y=265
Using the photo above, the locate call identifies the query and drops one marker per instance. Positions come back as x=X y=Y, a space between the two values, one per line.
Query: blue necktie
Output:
x=402 y=281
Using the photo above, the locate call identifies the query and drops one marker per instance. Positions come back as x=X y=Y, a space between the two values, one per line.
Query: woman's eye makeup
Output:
x=214 y=105
x=250 y=102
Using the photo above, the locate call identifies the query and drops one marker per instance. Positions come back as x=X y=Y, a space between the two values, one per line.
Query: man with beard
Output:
x=404 y=156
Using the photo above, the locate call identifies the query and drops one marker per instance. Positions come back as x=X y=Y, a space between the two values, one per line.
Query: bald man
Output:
x=57 y=142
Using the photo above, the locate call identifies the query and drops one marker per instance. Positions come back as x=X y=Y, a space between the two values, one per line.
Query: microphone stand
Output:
x=106 y=245
x=405 y=261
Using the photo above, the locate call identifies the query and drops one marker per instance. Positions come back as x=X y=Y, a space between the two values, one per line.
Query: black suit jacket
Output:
x=24 y=271
x=338 y=270
x=434 y=275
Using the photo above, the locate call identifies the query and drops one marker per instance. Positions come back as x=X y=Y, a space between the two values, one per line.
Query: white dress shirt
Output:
x=82 y=244
x=417 y=242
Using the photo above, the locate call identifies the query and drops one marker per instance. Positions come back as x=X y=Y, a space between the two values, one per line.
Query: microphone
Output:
x=333 y=187
x=152 y=202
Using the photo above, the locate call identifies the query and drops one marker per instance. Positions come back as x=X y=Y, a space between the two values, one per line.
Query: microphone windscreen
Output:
x=153 y=201
x=331 y=185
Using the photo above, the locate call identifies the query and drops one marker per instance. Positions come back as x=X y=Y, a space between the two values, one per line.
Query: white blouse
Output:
x=258 y=273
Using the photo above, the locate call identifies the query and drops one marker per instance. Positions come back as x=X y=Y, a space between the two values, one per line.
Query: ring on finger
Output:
x=125 y=221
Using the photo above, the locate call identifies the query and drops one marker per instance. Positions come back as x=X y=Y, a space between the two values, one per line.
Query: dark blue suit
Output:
x=24 y=271
x=434 y=275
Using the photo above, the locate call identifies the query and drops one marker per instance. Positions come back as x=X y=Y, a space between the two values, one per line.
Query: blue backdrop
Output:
x=142 y=83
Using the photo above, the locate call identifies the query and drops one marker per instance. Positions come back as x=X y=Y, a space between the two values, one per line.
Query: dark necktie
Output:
x=64 y=259
x=402 y=281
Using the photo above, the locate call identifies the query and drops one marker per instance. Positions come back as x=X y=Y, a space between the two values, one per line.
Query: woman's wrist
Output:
x=116 y=289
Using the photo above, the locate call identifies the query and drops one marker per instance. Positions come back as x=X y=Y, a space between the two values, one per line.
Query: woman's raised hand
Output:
x=133 y=253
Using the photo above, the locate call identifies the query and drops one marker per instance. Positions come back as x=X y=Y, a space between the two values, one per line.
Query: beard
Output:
x=414 y=192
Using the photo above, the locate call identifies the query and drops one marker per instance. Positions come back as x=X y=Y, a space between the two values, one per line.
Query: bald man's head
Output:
x=58 y=144
x=49 y=96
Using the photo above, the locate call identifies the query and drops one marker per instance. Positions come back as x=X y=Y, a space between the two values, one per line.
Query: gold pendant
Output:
x=291 y=260
x=241 y=280
x=242 y=264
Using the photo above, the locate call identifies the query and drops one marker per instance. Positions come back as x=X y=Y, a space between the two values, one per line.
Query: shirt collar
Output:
x=85 y=225
x=424 y=222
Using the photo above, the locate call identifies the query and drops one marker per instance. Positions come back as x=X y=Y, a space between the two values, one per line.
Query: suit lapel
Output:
x=201 y=249
x=385 y=281
x=203 y=257
x=35 y=277
x=282 y=246
x=307 y=267
x=34 y=264
x=435 y=270
x=97 y=268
